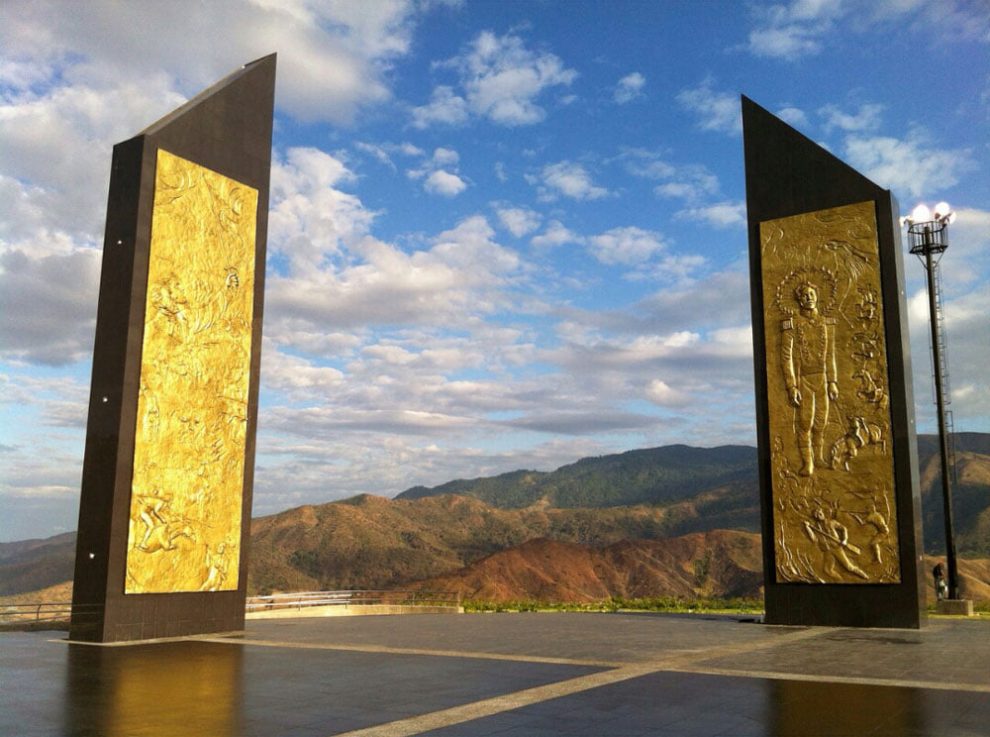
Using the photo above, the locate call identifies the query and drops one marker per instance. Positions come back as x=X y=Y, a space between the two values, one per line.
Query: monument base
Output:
x=955 y=607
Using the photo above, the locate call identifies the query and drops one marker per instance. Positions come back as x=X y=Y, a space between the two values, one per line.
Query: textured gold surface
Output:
x=832 y=467
x=187 y=488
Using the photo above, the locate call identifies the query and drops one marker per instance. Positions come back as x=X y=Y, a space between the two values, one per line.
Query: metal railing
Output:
x=35 y=612
x=40 y=612
x=303 y=599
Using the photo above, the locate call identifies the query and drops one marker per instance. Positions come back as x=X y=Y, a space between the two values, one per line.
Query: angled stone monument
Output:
x=835 y=411
x=169 y=464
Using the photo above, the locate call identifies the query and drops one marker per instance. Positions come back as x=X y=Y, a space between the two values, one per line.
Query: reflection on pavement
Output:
x=156 y=690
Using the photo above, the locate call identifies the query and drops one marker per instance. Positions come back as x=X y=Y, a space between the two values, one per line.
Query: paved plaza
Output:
x=512 y=675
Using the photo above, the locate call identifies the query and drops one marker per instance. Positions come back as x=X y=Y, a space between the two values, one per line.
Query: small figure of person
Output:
x=216 y=565
x=832 y=538
x=882 y=531
x=810 y=372
x=153 y=513
x=941 y=587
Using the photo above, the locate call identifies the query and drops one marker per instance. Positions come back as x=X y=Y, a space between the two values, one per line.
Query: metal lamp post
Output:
x=928 y=239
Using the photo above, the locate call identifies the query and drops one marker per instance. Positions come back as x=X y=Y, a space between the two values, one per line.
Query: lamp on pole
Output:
x=928 y=238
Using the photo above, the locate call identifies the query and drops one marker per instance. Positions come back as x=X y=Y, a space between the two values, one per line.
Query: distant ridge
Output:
x=719 y=480
x=28 y=565
x=649 y=476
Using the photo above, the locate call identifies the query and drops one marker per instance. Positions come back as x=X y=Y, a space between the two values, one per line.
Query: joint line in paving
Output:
x=415 y=651
x=498 y=704
x=527 y=697
x=813 y=678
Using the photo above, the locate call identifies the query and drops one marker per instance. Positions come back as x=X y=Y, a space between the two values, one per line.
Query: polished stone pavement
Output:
x=512 y=675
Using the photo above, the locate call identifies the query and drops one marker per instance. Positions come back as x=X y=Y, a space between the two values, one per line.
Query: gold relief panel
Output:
x=187 y=487
x=834 y=513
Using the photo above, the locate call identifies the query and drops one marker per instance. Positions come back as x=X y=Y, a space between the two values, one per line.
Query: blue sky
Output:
x=503 y=234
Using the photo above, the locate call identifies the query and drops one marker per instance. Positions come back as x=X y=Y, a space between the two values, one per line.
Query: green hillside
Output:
x=649 y=476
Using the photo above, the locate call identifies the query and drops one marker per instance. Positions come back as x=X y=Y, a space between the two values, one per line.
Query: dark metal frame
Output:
x=227 y=128
x=788 y=174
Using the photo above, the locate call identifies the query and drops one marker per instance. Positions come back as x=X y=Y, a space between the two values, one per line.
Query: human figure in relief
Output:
x=832 y=538
x=217 y=564
x=808 y=360
x=882 y=531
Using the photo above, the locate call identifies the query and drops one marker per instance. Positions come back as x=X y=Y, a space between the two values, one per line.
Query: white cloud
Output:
x=444 y=183
x=629 y=88
x=332 y=56
x=866 y=119
x=718 y=300
x=690 y=182
x=801 y=28
x=445 y=157
x=48 y=304
x=942 y=23
x=445 y=107
x=965 y=269
x=378 y=152
x=591 y=422
x=312 y=340
x=910 y=165
x=384 y=152
x=793 y=115
x=794 y=30
x=678 y=190
x=500 y=79
x=42 y=462
x=655 y=356
x=437 y=179
x=300 y=471
x=463 y=275
x=345 y=291
x=297 y=376
x=55 y=151
x=312 y=420
x=968 y=262
x=786 y=42
x=571 y=180
x=671 y=268
x=968 y=354
x=659 y=392
x=310 y=219
x=647 y=164
x=519 y=220
x=440 y=158
x=721 y=214
x=471 y=242
x=714 y=110
x=628 y=245
x=556 y=234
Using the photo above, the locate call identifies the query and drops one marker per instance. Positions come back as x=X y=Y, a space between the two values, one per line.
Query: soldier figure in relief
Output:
x=810 y=373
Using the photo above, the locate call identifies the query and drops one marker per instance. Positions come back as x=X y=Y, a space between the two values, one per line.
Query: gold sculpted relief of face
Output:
x=189 y=445
x=832 y=471
x=807 y=296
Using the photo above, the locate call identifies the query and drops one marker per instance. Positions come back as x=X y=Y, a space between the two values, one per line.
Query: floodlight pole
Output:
x=927 y=239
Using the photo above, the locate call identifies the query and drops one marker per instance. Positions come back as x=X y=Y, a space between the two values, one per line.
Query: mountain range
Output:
x=674 y=520
x=722 y=485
